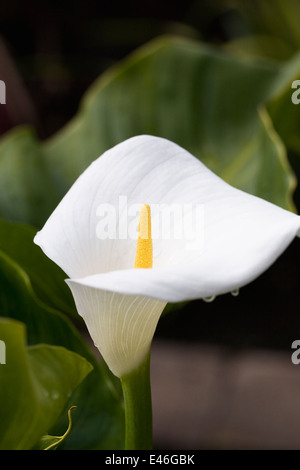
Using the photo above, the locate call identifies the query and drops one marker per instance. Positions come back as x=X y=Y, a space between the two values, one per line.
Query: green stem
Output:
x=138 y=407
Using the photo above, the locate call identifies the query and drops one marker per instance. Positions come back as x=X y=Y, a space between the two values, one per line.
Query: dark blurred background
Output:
x=58 y=48
x=52 y=51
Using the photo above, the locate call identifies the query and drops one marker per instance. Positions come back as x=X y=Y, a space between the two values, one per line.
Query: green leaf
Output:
x=26 y=187
x=211 y=109
x=261 y=45
x=284 y=113
x=36 y=383
x=46 y=278
x=205 y=100
x=273 y=28
x=99 y=420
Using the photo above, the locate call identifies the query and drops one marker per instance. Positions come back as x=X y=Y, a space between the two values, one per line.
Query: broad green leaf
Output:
x=260 y=45
x=36 y=382
x=18 y=301
x=46 y=278
x=26 y=188
x=99 y=420
x=273 y=28
x=205 y=100
x=284 y=112
x=211 y=109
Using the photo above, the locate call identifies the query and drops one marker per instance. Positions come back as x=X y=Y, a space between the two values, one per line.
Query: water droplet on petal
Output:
x=235 y=292
x=209 y=299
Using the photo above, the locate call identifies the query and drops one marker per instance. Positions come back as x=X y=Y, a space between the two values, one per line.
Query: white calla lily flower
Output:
x=239 y=236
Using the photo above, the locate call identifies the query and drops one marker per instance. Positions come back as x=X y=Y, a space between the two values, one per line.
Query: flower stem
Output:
x=138 y=407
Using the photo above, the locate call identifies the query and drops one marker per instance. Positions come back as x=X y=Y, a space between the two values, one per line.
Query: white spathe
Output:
x=241 y=236
x=121 y=326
